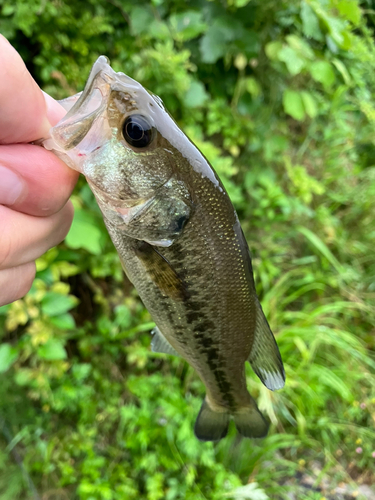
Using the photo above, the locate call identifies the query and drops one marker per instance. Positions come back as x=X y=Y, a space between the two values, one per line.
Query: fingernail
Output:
x=11 y=186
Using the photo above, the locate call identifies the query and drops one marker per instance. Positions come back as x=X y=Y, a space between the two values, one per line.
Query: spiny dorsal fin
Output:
x=160 y=344
x=160 y=271
x=265 y=357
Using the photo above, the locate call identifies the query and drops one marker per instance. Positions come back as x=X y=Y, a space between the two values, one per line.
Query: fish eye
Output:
x=137 y=131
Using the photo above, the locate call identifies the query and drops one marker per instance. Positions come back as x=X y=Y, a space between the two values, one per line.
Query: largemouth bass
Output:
x=179 y=240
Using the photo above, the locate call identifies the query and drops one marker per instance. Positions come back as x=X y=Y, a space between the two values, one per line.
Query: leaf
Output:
x=188 y=25
x=272 y=50
x=310 y=22
x=8 y=10
x=291 y=59
x=309 y=104
x=52 y=350
x=8 y=356
x=214 y=43
x=54 y=304
x=322 y=247
x=328 y=378
x=293 y=104
x=85 y=232
x=63 y=321
x=351 y=10
x=212 y=46
x=140 y=19
x=322 y=72
x=340 y=66
x=196 y=95
x=23 y=376
x=300 y=46
x=249 y=492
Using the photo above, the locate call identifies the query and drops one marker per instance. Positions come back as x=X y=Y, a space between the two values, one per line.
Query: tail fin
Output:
x=250 y=422
x=211 y=425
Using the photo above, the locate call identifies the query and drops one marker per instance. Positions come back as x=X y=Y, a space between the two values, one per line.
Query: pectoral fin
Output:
x=265 y=357
x=161 y=272
x=160 y=344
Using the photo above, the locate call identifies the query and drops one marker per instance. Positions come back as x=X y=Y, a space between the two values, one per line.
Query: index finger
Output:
x=23 y=116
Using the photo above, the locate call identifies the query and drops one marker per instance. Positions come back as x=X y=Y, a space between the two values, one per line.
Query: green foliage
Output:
x=279 y=97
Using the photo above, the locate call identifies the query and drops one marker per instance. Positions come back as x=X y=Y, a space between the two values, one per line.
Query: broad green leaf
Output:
x=140 y=20
x=272 y=50
x=8 y=9
x=322 y=72
x=63 y=321
x=55 y=304
x=8 y=356
x=334 y=25
x=23 y=376
x=212 y=45
x=52 y=350
x=188 y=25
x=196 y=95
x=300 y=46
x=309 y=104
x=350 y=9
x=158 y=29
x=293 y=104
x=291 y=59
x=310 y=22
x=85 y=232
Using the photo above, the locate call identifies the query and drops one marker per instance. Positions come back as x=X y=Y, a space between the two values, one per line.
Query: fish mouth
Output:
x=103 y=78
x=91 y=104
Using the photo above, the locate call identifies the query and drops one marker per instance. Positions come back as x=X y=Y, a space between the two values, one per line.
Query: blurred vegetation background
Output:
x=279 y=95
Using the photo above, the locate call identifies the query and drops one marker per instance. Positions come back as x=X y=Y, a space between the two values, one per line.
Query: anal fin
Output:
x=160 y=344
x=265 y=358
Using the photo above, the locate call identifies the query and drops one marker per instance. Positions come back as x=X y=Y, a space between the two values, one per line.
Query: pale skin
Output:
x=35 y=211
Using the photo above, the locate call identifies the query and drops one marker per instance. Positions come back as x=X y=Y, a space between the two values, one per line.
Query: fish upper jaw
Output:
x=86 y=127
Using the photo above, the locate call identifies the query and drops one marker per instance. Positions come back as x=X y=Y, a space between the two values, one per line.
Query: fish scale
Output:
x=179 y=241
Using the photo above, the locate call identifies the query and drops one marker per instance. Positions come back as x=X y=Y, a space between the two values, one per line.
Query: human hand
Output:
x=34 y=184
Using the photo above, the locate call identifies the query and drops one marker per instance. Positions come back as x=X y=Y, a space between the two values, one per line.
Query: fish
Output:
x=179 y=240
